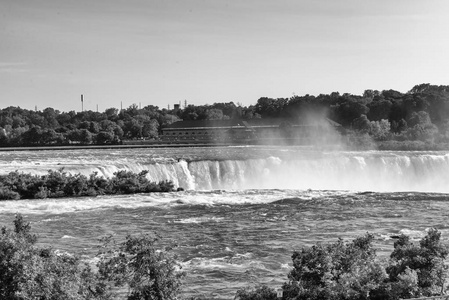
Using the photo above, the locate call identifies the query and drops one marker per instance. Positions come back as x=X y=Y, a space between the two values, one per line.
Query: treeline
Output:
x=139 y=268
x=21 y=127
x=58 y=184
x=422 y=114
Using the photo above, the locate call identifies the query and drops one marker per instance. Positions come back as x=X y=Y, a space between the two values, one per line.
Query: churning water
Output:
x=244 y=209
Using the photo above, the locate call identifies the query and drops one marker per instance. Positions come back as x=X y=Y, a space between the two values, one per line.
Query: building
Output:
x=252 y=131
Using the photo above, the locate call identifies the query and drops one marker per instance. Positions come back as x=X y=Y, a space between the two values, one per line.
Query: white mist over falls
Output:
x=244 y=209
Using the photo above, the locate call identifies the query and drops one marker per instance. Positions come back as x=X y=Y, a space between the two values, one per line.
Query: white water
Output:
x=295 y=169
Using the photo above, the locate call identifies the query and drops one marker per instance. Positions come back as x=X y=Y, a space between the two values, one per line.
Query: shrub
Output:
x=335 y=271
x=57 y=184
x=7 y=194
x=138 y=265
x=126 y=182
x=28 y=272
x=424 y=261
x=259 y=293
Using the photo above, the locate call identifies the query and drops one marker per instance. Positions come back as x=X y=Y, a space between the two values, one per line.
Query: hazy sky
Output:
x=161 y=52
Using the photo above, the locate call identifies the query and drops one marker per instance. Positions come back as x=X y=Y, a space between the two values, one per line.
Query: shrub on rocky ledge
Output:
x=58 y=184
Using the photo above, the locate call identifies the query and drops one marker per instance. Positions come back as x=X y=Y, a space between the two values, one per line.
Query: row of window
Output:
x=186 y=133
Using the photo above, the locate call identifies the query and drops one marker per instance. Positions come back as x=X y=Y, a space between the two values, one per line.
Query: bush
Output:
x=424 y=261
x=7 y=194
x=259 y=293
x=335 y=271
x=146 y=271
x=57 y=184
x=351 y=271
x=28 y=272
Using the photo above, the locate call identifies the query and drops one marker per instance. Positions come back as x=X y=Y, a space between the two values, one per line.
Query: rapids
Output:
x=245 y=209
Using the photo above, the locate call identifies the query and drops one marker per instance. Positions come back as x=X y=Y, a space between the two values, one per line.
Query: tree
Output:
x=50 y=117
x=28 y=272
x=214 y=114
x=150 y=129
x=105 y=137
x=111 y=113
x=258 y=293
x=379 y=110
x=336 y=271
x=424 y=261
x=3 y=137
x=133 y=128
x=268 y=107
x=421 y=127
x=380 y=130
x=347 y=111
x=362 y=124
x=32 y=136
x=82 y=136
x=149 y=273
x=370 y=94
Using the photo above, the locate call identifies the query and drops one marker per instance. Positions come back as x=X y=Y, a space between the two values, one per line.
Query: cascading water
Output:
x=358 y=171
x=364 y=173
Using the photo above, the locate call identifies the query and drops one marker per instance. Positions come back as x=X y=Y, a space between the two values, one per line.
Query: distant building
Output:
x=266 y=131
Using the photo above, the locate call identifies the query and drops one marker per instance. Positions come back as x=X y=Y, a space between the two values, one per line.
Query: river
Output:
x=244 y=209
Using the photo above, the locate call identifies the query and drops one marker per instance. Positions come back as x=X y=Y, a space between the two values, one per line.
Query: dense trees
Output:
x=422 y=114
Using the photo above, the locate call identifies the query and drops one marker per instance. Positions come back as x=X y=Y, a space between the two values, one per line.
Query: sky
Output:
x=161 y=52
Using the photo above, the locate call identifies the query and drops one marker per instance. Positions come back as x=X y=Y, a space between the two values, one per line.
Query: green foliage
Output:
x=28 y=272
x=380 y=130
x=362 y=124
x=147 y=272
x=424 y=261
x=335 y=271
x=352 y=271
x=411 y=146
x=259 y=293
x=57 y=184
x=425 y=107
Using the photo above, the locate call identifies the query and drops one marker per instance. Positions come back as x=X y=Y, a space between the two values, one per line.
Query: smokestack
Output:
x=82 y=103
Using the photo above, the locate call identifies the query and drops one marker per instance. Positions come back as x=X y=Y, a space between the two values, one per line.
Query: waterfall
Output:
x=425 y=173
x=359 y=171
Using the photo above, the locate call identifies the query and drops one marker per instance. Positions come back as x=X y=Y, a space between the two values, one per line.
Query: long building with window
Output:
x=265 y=131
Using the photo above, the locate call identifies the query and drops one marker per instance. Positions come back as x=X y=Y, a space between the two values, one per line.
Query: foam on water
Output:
x=68 y=205
x=198 y=220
